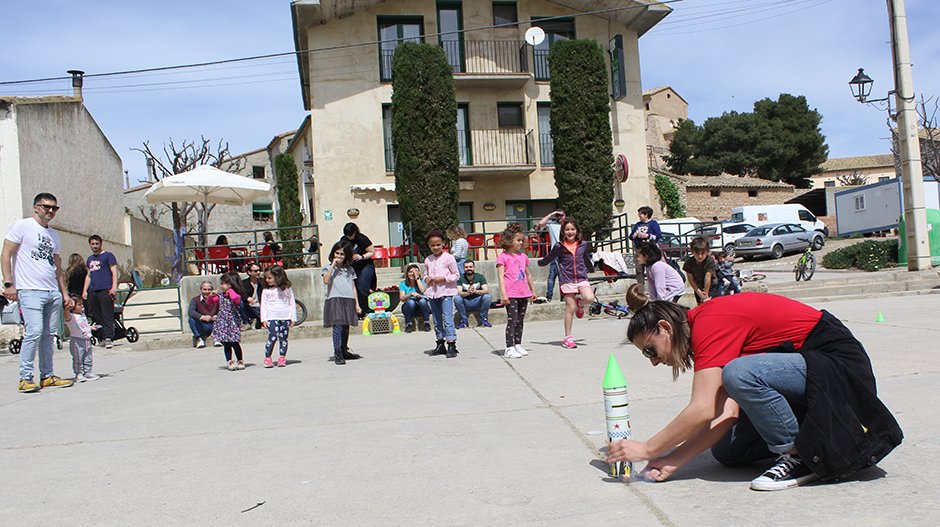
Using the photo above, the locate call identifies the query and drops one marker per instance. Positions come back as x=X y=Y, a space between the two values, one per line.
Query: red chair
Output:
x=396 y=252
x=495 y=246
x=380 y=255
x=219 y=259
x=266 y=257
x=476 y=242
x=200 y=260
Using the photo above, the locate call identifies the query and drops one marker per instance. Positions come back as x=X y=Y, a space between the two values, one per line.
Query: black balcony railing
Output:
x=546 y=150
x=506 y=146
x=486 y=56
x=541 y=64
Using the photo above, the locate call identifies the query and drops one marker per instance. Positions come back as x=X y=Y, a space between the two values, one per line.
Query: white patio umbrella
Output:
x=207 y=184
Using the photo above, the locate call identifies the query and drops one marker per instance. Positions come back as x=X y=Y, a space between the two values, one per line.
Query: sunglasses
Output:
x=52 y=208
x=648 y=352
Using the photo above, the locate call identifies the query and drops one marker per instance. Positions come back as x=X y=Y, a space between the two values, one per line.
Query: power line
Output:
x=329 y=48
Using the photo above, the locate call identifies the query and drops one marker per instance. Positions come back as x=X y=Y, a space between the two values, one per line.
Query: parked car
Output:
x=721 y=236
x=784 y=213
x=776 y=239
x=673 y=245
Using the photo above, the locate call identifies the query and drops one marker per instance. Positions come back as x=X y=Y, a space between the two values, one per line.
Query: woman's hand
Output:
x=658 y=470
x=624 y=450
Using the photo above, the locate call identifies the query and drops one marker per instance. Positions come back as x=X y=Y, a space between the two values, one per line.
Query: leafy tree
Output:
x=424 y=138
x=580 y=124
x=669 y=197
x=852 y=179
x=779 y=141
x=289 y=215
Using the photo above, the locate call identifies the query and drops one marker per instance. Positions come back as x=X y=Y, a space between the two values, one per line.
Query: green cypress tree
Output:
x=580 y=123
x=288 y=197
x=424 y=138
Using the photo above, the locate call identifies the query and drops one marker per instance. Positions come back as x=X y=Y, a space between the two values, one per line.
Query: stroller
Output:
x=13 y=315
x=120 y=330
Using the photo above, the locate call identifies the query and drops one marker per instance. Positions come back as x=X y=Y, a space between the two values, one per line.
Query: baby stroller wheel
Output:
x=94 y=340
x=15 y=346
x=132 y=335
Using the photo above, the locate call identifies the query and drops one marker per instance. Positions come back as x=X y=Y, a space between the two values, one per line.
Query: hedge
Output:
x=869 y=255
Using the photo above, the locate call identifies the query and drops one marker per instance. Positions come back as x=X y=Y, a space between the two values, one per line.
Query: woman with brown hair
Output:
x=772 y=377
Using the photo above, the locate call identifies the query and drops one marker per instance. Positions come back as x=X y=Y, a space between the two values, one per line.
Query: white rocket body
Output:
x=618 y=424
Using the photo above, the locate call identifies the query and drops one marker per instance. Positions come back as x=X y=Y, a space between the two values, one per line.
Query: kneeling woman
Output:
x=772 y=377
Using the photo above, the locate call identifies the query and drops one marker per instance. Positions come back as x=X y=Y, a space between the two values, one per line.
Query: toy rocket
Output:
x=618 y=413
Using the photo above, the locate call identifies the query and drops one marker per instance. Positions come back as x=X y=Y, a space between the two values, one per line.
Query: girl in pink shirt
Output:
x=515 y=288
x=440 y=275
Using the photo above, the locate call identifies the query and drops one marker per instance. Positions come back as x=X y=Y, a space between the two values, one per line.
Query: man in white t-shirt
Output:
x=36 y=280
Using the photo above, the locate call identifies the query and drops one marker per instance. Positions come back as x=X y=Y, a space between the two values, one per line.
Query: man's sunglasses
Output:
x=52 y=208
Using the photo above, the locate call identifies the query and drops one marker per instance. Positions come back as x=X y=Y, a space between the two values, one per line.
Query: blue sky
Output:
x=720 y=55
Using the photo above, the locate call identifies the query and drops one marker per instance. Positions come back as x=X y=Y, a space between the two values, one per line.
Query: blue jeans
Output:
x=770 y=388
x=420 y=305
x=249 y=312
x=443 y=309
x=200 y=328
x=41 y=321
x=552 y=274
x=480 y=303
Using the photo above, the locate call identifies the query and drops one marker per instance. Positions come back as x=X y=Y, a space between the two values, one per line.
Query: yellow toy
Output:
x=379 y=321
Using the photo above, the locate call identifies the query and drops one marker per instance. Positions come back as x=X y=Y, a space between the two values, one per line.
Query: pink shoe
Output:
x=569 y=343
x=281 y=362
x=268 y=363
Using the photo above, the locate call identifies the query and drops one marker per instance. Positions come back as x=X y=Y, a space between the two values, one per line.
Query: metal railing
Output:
x=177 y=304
x=546 y=150
x=247 y=246
x=617 y=236
x=540 y=57
x=486 y=56
x=505 y=146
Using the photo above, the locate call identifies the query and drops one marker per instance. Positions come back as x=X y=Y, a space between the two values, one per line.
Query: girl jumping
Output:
x=227 y=327
x=341 y=307
x=574 y=264
x=278 y=313
x=515 y=288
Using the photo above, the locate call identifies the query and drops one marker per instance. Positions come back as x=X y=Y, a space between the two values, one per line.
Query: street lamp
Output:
x=861 y=86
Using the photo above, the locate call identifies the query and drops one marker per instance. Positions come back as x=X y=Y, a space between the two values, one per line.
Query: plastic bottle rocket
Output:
x=618 y=412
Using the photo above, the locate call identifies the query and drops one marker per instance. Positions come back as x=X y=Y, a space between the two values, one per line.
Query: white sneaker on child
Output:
x=511 y=353
x=90 y=377
x=80 y=378
x=520 y=350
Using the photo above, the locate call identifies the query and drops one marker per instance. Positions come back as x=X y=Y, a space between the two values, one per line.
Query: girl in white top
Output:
x=278 y=313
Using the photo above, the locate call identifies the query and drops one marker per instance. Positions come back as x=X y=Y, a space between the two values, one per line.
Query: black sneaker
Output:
x=789 y=471
x=451 y=350
x=409 y=327
x=439 y=349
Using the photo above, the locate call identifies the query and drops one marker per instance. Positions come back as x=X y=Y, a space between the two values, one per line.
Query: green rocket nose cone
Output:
x=614 y=377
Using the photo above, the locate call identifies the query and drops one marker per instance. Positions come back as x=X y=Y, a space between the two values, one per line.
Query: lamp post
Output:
x=912 y=178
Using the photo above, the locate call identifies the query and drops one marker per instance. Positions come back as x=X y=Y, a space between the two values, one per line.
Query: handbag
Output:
x=11 y=314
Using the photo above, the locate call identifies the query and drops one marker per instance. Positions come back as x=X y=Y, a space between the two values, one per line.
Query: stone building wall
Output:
x=700 y=203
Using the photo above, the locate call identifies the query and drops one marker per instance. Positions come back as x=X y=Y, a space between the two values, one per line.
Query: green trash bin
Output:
x=933 y=238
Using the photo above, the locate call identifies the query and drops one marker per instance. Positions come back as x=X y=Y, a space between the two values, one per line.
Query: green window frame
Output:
x=393 y=30
x=450 y=25
x=262 y=211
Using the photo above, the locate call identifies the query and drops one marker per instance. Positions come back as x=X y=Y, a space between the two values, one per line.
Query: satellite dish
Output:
x=534 y=35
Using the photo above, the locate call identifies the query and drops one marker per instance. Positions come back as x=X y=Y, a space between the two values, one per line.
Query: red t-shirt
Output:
x=728 y=327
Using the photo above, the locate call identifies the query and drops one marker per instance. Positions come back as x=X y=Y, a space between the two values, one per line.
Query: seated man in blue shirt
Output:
x=472 y=295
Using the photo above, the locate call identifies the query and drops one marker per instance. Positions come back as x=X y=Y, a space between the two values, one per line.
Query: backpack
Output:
x=675 y=265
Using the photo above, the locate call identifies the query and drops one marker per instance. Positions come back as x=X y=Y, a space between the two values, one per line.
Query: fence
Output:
x=486 y=56
x=212 y=259
x=143 y=307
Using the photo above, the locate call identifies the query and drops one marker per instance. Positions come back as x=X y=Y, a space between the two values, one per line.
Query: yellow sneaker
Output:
x=27 y=386
x=52 y=380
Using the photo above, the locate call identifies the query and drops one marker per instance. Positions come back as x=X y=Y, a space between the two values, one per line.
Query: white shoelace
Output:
x=785 y=464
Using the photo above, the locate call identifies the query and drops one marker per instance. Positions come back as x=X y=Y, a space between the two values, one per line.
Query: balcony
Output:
x=506 y=152
x=488 y=63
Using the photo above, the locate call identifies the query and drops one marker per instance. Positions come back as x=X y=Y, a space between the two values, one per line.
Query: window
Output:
x=716 y=193
x=463 y=134
x=262 y=211
x=505 y=13
x=829 y=184
x=392 y=32
x=555 y=30
x=752 y=193
x=806 y=215
x=546 y=147
x=387 y=136
x=257 y=172
x=450 y=24
x=883 y=178
x=859 y=203
x=509 y=115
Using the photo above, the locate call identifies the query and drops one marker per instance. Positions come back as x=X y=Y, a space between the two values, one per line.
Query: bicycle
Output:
x=301 y=312
x=806 y=266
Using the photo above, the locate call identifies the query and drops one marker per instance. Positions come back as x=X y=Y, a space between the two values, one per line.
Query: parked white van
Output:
x=790 y=213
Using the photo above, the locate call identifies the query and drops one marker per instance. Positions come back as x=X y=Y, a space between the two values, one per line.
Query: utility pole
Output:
x=912 y=178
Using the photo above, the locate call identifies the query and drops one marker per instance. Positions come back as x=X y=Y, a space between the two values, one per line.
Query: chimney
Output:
x=76 y=82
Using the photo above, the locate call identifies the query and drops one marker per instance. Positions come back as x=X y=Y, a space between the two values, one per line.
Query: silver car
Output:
x=775 y=239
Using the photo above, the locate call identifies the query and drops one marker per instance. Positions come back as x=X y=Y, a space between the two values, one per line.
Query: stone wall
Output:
x=700 y=203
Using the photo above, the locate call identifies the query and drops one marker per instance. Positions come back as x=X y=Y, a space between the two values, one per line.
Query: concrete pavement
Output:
x=400 y=438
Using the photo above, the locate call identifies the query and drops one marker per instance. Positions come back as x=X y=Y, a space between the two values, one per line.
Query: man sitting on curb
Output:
x=473 y=295
x=201 y=316
x=251 y=302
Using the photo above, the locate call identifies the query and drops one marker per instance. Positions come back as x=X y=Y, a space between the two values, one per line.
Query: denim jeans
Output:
x=480 y=303
x=249 y=312
x=443 y=309
x=552 y=274
x=200 y=328
x=41 y=321
x=420 y=305
x=771 y=389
